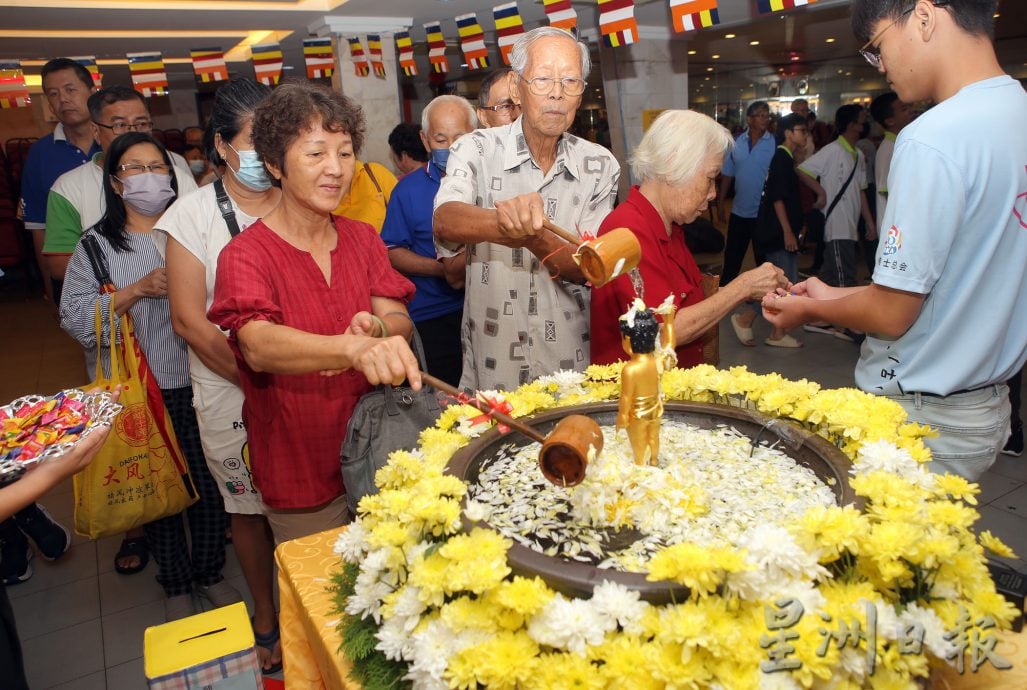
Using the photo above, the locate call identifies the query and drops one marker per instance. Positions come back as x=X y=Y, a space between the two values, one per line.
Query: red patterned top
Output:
x=296 y=422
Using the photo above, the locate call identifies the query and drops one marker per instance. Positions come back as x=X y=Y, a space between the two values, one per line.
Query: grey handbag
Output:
x=384 y=420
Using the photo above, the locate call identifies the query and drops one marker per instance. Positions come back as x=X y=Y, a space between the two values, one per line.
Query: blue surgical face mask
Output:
x=251 y=172
x=440 y=157
x=197 y=166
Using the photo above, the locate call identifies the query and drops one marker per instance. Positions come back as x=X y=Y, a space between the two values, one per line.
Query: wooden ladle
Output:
x=564 y=455
x=603 y=258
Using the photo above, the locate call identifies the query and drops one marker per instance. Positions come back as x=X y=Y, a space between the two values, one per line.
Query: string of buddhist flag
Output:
x=617 y=25
x=148 y=74
x=14 y=93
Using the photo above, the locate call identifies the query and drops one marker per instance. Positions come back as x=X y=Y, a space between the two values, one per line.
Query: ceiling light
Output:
x=996 y=15
x=754 y=43
x=715 y=57
x=829 y=40
x=794 y=58
x=706 y=78
x=709 y=69
x=691 y=52
x=729 y=35
x=848 y=74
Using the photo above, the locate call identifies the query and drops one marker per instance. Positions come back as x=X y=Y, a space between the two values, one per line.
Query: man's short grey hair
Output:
x=472 y=116
x=519 y=54
x=676 y=145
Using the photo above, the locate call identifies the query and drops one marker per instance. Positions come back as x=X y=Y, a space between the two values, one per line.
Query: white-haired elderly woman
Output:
x=677 y=165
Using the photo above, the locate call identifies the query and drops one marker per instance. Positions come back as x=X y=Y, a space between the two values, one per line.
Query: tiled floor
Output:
x=81 y=624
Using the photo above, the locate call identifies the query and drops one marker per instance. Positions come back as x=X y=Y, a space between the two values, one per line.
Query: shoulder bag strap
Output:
x=225 y=206
x=374 y=180
x=838 y=197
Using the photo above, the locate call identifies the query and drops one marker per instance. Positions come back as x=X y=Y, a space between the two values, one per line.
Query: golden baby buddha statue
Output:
x=641 y=399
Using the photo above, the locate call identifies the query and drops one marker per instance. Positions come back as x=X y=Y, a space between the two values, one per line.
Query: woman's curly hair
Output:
x=299 y=106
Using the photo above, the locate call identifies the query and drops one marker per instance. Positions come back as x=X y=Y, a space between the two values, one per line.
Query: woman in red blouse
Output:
x=677 y=165
x=315 y=311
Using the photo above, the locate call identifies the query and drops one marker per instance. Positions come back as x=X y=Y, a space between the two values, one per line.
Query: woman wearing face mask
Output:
x=196 y=231
x=137 y=187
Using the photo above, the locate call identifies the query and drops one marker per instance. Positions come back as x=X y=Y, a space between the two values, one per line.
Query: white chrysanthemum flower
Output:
x=776 y=561
x=885 y=456
x=571 y=624
x=854 y=662
x=477 y=511
x=933 y=627
x=367 y=596
x=352 y=543
x=778 y=681
x=409 y=606
x=433 y=646
x=620 y=604
x=567 y=382
x=394 y=640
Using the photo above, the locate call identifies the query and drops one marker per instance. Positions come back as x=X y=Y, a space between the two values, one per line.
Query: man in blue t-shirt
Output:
x=67 y=86
x=437 y=307
x=944 y=314
x=746 y=165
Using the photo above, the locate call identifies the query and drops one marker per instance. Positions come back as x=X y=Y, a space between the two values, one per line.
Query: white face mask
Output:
x=147 y=193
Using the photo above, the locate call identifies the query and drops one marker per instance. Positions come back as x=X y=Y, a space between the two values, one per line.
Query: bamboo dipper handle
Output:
x=560 y=232
x=498 y=416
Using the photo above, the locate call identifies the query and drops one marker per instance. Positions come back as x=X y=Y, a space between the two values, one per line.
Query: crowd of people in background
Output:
x=274 y=276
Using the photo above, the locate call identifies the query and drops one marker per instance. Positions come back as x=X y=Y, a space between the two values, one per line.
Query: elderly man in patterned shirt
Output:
x=526 y=306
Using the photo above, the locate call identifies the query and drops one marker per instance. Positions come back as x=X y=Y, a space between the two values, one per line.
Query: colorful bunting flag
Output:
x=767 y=6
x=148 y=75
x=13 y=91
x=689 y=15
x=374 y=46
x=436 y=47
x=209 y=64
x=617 y=22
x=509 y=26
x=89 y=62
x=356 y=52
x=406 y=53
x=472 y=40
x=319 y=56
x=267 y=63
x=561 y=14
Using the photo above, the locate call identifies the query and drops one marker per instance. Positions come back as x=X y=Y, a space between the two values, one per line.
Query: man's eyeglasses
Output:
x=543 y=86
x=135 y=169
x=501 y=107
x=122 y=127
x=873 y=56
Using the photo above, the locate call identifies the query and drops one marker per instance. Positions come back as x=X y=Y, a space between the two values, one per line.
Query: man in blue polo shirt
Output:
x=67 y=86
x=944 y=314
x=437 y=307
x=746 y=165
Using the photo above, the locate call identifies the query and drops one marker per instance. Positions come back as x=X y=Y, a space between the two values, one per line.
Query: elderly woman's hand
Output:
x=388 y=361
x=763 y=279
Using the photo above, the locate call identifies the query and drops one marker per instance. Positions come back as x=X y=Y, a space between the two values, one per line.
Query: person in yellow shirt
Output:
x=368 y=194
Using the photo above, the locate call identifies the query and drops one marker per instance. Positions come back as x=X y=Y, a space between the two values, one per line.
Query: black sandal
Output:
x=129 y=548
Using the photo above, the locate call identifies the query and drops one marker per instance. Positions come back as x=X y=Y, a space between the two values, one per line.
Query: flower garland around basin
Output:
x=426 y=606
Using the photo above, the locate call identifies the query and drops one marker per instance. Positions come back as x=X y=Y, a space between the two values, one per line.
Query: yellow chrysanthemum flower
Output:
x=699 y=568
x=504 y=662
x=565 y=672
x=996 y=545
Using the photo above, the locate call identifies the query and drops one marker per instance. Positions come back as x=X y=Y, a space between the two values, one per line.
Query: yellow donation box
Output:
x=212 y=650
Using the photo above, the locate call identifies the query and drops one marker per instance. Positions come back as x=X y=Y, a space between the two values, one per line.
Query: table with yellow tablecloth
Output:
x=310 y=641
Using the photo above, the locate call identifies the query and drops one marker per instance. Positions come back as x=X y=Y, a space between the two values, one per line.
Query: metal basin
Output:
x=577 y=579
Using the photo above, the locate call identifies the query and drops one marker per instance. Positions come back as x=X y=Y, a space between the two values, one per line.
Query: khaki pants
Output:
x=290 y=524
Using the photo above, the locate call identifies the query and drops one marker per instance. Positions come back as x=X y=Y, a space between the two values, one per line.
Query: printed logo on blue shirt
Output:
x=892 y=241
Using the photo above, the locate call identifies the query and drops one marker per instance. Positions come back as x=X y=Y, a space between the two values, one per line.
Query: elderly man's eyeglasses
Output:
x=136 y=169
x=122 y=127
x=543 y=86
x=501 y=107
